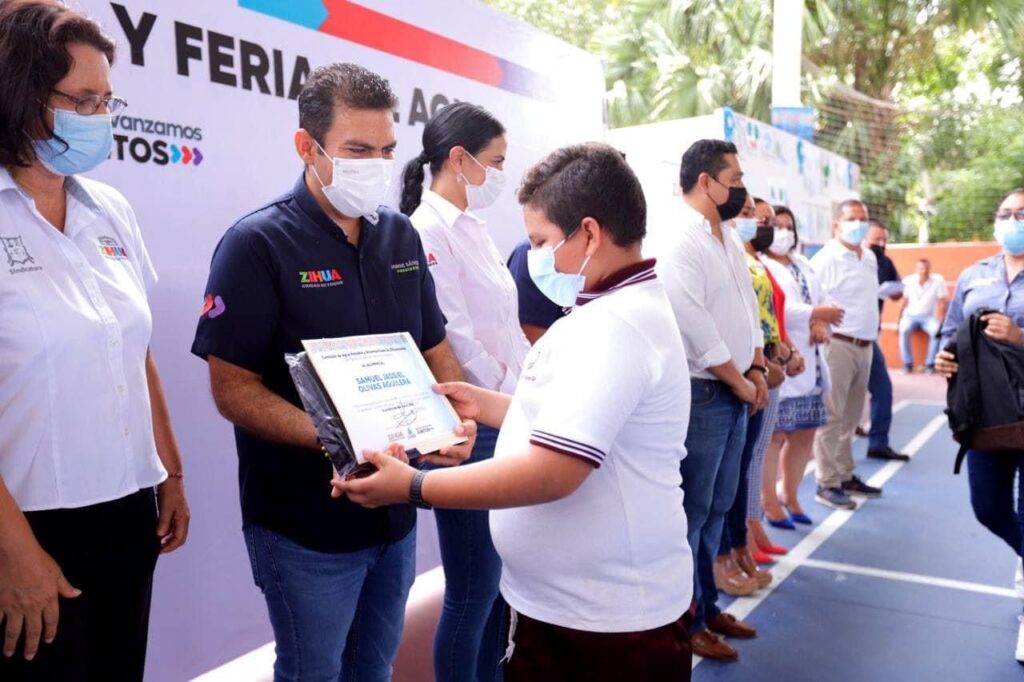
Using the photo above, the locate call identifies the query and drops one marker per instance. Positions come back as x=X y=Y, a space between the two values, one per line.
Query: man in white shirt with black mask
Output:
x=705 y=274
x=848 y=274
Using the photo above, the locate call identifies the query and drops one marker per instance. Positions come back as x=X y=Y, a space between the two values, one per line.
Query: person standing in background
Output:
x=707 y=280
x=465 y=147
x=537 y=312
x=924 y=303
x=848 y=274
x=802 y=407
x=879 y=383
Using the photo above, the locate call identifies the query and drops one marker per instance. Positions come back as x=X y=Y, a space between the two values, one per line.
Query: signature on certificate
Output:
x=405 y=414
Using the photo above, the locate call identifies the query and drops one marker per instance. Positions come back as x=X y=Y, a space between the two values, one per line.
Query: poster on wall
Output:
x=208 y=137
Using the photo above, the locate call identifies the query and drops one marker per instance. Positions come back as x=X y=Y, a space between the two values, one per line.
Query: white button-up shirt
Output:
x=712 y=295
x=476 y=292
x=851 y=282
x=922 y=298
x=75 y=421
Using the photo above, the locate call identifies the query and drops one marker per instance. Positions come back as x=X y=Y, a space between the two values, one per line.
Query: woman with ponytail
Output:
x=464 y=147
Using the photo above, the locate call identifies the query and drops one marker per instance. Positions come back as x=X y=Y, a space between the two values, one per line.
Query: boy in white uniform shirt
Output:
x=598 y=573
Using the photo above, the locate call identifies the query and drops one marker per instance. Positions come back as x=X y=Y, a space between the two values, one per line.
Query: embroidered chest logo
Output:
x=319 y=279
x=408 y=267
x=111 y=249
x=431 y=260
x=17 y=254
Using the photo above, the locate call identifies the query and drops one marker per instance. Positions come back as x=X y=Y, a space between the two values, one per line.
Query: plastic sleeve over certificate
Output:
x=381 y=388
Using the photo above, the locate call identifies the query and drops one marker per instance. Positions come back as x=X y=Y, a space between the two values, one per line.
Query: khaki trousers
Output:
x=850 y=366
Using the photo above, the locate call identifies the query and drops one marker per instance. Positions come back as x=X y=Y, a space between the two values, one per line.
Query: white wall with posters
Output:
x=207 y=137
x=777 y=166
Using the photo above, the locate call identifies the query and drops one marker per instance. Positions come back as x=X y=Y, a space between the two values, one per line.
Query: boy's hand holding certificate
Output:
x=379 y=390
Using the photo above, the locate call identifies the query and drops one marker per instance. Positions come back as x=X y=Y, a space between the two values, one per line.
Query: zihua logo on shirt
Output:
x=17 y=254
x=111 y=249
x=318 y=279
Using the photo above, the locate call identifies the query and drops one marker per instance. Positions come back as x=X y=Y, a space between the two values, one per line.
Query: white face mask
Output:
x=358 y=186
x=783 y=242
x=485 y=194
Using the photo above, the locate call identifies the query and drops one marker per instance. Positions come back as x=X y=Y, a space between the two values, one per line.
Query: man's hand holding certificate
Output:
x=381 y=390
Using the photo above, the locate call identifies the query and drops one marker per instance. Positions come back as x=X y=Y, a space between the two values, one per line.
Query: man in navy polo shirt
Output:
x=537 y=312
x=323 y=260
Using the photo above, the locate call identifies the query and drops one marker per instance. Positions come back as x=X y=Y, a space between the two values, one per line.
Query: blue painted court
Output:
x=908 y=587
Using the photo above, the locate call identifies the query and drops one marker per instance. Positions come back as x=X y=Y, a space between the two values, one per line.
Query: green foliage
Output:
x=990 y=163
x=957 y=64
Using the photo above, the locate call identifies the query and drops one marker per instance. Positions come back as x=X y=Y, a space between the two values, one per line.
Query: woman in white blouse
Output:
x=802 y=408
x=465 y=147
x=91 y=485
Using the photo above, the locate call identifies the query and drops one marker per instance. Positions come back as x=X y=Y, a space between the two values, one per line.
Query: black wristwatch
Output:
x=760 y=368
x=416 y=490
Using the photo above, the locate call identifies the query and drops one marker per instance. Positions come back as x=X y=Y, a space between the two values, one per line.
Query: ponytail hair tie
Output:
x=423 y=157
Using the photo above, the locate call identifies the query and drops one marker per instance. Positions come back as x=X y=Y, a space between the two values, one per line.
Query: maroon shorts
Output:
x=550 y=653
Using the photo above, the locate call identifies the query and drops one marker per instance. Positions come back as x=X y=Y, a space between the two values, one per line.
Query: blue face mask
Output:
x=746 y=228
x=1010 y=235
x=560 y=287
x=853 y=232
x=89 y=140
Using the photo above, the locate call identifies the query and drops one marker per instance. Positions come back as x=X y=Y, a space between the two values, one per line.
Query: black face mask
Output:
x=763 y=239
x=879 y=250
x=734 y=204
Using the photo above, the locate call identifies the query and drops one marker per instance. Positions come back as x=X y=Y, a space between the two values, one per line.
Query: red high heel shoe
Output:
x=762 y=558
x=773 y=549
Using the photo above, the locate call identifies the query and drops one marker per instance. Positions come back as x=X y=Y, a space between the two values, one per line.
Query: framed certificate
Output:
x=381 y=387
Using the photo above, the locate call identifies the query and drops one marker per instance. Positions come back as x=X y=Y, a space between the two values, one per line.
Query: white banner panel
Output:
x=207 y=137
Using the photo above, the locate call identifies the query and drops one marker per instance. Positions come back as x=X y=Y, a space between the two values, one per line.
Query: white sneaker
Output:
x=1018 y=579
x=1020 y=641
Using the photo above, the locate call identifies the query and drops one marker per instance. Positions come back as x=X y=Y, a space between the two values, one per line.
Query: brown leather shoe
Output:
x=731 y=579
x=727 y=624
x=707 y=645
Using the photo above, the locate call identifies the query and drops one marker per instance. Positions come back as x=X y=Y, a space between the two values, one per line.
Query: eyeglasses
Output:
x=90 y=104
x=1006 y=215
x=768 y=222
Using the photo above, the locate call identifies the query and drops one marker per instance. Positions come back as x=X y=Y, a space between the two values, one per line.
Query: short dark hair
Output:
x=925 y=261
x=781 y=209
x=34 y=57
x=457 y=125
x=348 y=85
x=588 y=180
x=759 y=200
x=703 y=156
x=873 y=222
x=845 y=204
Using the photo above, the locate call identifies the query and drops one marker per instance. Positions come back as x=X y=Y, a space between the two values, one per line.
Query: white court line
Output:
x=788 y=563
x=910 y=578
x=258 y=664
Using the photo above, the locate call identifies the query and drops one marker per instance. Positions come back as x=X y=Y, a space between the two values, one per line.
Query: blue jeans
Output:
x=467 y=644
x=711 y=474
x=734 y=529
x=880 y=388
x=991 y=476
x=930 y=326
x=336 y=617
